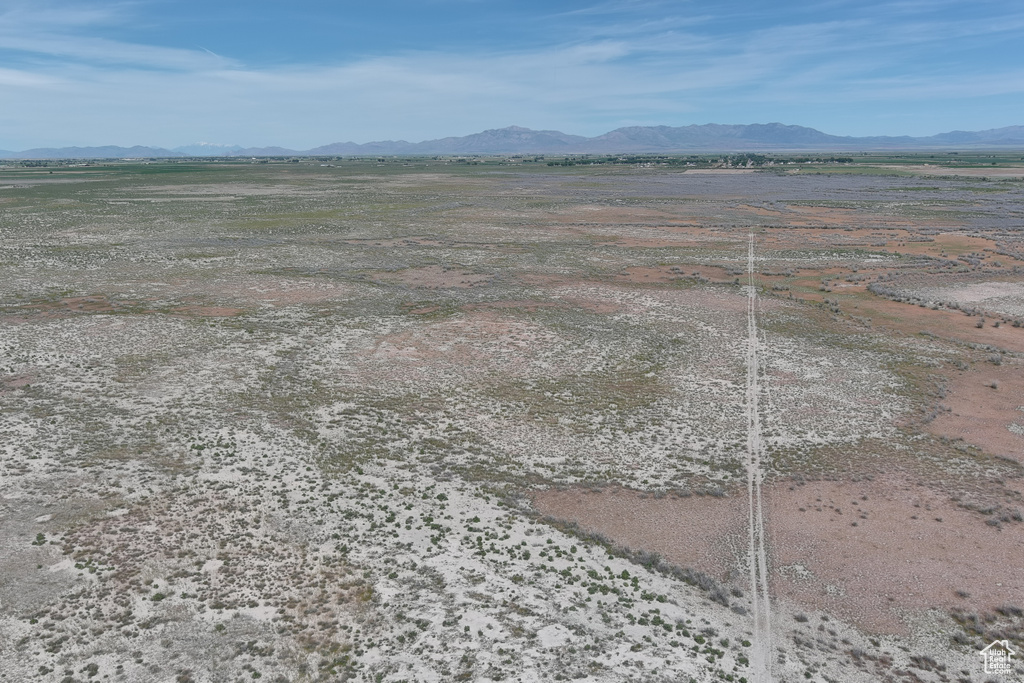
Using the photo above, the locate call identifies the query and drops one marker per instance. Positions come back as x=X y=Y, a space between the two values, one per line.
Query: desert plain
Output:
x=435 y=419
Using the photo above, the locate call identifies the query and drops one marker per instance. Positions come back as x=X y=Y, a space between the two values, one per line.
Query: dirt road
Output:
x=756 y=555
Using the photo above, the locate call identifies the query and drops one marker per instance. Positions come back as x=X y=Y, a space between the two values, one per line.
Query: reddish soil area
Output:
x=910 y=319
x=11 y=382
x=873 y=552
x=75 y=304
x=435 y=277
x=986 y=409
x=705 y=533
x=876 y=551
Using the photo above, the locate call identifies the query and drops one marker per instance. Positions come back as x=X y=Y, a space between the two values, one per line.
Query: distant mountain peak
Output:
x=708 y=137
x=207 y=148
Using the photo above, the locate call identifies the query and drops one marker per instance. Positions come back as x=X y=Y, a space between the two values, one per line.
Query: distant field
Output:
x=489 y=418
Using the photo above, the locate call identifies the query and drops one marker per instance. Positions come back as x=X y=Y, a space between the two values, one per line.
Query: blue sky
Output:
x=305 y=73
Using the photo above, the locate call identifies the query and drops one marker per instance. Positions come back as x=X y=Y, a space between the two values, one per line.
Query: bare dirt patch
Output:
x=649 y=275
x=911 y=319
x=877 y=551
x=702 y=532
x=986 y=408
x=436 y=277
x=874 y=552
x=947 y=324
x=73 y=305
x=11 y=382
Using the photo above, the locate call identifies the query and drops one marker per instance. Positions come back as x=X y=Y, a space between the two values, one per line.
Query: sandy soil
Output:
x=988 y=416
x=703 y=532
x=876 y=552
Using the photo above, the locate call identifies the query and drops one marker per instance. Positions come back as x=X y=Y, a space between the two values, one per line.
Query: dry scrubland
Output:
x=436 y=422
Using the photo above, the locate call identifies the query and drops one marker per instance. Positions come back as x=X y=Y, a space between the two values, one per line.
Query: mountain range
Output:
x=710 y=137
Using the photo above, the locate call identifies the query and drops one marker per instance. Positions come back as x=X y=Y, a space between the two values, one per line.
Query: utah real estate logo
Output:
x=998 y=657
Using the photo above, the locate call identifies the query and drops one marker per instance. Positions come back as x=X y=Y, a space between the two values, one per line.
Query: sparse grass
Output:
x=251 y=428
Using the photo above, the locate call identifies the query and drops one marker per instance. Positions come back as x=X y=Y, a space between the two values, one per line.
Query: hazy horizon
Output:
x=227 y=146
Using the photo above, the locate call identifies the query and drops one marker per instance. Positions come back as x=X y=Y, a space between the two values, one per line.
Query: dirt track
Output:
x=756 y=555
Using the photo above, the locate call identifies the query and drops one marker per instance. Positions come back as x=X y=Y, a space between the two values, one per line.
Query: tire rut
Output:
x=757 y=557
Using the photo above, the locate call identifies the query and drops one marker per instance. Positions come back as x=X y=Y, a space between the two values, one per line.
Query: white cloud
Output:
x=15 y=78
x=72 y=87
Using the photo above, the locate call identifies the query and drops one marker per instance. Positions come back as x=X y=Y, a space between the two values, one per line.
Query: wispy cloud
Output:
x=57 y=31
x=103 y=51
x=640 y=67
x=15 y=78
